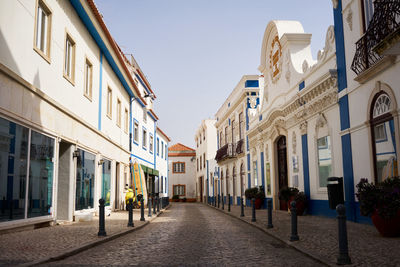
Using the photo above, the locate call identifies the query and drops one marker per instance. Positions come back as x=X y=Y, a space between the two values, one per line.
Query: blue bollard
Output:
x=253 y=215
x=343 y=258
x=269 y=206
x=293 y=211
x=102 y=228
x=229 y=202
x=241 y=207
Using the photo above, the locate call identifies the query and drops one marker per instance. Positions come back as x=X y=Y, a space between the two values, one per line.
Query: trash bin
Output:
x=335 y=191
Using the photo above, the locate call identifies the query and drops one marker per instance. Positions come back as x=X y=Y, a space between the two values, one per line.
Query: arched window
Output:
x=234 y=181
x=383 y=137
x=324 y=151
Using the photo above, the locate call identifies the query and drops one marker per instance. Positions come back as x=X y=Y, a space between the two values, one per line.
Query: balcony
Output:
x=381 y=38
x=227 y=151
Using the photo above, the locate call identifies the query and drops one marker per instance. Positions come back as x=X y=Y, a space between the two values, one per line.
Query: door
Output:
x=117 y=185
x=201 y=188
x=282 y=168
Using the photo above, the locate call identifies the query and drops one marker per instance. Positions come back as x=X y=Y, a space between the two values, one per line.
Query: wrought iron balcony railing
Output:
x=239 y=147
x=384 y=22
x=224 y=152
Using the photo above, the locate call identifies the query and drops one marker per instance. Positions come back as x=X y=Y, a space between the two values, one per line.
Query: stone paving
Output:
x=319 y=237
x=33 y=246
x=190 y=234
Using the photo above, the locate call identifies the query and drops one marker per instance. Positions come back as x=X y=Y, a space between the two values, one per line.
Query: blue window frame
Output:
x=135 y=132
x=151 y=143
x=144 y=138
x=162 y=149
x=158 y=146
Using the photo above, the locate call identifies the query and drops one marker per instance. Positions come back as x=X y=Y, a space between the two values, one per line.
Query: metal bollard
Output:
x=223 y=202
x=154 y=205
x=293 y=211
x=215 y=201
x=142 y=210
x=3 y=205
x=219 y=200
x=158 y=204
x=253 y=214
x=343 y=257
x=149 y=206
x=269 y=206
x=102 y=229
x=130 y=217
x=229 y=202
x=11 y=208
x=241 y=207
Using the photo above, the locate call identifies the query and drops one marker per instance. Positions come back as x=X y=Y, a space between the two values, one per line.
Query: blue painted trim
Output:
x=142 y=83
x=158 y=145
x=251 y=83
x=218 y=139
x=247 y=144
x=306 y=170
x=151 y=115
x=130 y=125
x=208 y=193
x=260 y=118
x=262 y=170
x=302 y=85
x=344 y=113
x=100 y=89
x=76 y=4
x=348 y=178
x=154 y=147
x=229 y=122
x=162 y=149
x=247 y=113
x=340 y=49
x=166 y=153
x=142 y=159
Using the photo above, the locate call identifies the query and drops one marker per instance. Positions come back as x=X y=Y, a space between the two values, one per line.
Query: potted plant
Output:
x=301 y=202
x=286 y=195
x=175 y=198
x=381 y=202
x=257 y=193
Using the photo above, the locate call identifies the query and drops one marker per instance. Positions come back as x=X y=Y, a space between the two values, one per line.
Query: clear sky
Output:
x=194 y=52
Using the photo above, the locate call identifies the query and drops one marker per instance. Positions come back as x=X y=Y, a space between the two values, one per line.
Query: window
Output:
x=165 y=152
x=43 y=30
x=69 y=59
x=178 y=167
x=88 y=79
x=220 y=139
x=201 y=162
x=136 y=132
x=162 y=184
x=255 y=173
x=204 y=135
x=226 y=135
x=109 y=102
x=85 y=173
x=162 y=149
x=106 y=181
x=126 y=119
x=118 y=112
x=179 y=190
x=324 y=160
x=204 y=160
x=144 y=138
x=233 y=131
x=144 y=114
x=158 y=146
x=151 y=144
x=197 y=164
x=200 y=139
x=241 y=134
x=368 y=8
x=380 y=133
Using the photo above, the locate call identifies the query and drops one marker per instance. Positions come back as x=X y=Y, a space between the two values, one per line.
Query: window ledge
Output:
x=42 y=54
x=69 y=79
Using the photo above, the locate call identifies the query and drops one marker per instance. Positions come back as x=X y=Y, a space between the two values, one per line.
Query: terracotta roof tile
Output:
x=179 y=147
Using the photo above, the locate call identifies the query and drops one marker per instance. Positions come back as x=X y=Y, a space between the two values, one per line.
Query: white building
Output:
x=206 y=166
x=69 y=102
x=368 y=90
x=232 y=125
x=294 y=138
x=182 y=172
x=161 y=145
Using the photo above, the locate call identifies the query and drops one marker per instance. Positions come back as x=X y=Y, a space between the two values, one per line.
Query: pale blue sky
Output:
x=194 y=52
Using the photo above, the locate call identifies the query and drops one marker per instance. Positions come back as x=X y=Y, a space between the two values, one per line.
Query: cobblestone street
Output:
x=193 y=234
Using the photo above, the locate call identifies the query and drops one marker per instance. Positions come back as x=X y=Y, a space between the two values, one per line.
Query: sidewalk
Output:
x=40 y=245
x=318 y=237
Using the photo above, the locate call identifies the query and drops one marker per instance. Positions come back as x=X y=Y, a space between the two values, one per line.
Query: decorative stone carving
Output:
x=303 y=127
x=294 y=144
x=321 y=121
x=266 y=153
x=287 y=67
x=305 y=66
x=275 y=59
x=349 y=19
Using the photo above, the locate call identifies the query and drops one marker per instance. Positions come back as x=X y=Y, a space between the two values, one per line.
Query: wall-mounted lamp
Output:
x=75 y=154
x=100 y=162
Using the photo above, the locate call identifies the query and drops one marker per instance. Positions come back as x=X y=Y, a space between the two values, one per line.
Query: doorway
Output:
x=282 y=168
x=201 y=188
x=117 y=186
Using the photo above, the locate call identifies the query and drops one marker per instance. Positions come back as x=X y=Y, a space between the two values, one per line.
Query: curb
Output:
x=303 y=251
x=91 y=244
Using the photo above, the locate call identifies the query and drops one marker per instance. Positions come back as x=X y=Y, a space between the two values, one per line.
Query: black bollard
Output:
x=102 y=229
x=269 y=206
x=142 y=209
x=149 y=206
x=229 y=202
x=130 y=217
x=293 y=211
x=253 y=214
x=344 y=257
x=3 y=205
x=158 y=204
x=223 y=202
x=219 y=200
x=215 y=201
x=11 y=208
x=154 y=205
x=241 y=207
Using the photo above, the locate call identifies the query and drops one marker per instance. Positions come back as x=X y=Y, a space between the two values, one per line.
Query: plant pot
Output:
x=300 y=206
x=387 y=227
x=258 y=203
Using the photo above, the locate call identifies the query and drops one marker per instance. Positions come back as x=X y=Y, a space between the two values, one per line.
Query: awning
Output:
x=149 y=170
